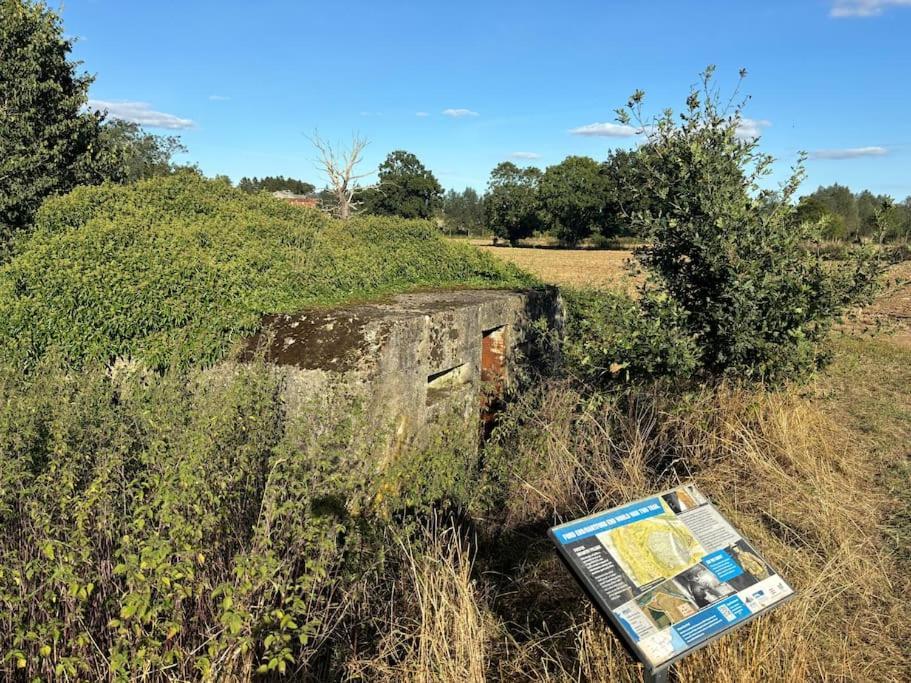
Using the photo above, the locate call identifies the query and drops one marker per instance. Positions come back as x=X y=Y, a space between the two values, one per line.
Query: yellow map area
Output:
x=653 y=548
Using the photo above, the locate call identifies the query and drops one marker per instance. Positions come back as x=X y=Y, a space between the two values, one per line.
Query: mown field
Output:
x=573 y=267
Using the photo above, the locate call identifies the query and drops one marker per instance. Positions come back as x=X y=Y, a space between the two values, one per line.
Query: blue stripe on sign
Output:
x=722 y=565
x=712 y=620
x=608 y=520
x=628 y=628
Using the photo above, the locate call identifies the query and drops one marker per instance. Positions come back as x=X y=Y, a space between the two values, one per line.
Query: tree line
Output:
x=573 y=200
x=846 y=215
x=51 y=142
x=576 y=199
x=275 y=184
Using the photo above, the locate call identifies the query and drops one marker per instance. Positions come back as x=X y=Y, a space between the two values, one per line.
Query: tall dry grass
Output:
x=786 y=473
x=435 y=625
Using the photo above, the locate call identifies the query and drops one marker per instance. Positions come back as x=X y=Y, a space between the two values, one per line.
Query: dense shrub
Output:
x=609 y=338
x=181 y=525
x=759 y=302
x=171 y=270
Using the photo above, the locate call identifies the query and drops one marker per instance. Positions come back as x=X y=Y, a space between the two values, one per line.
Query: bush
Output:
x=183 y=526
x=172 y=270
x=609 y=338
x=758 y=301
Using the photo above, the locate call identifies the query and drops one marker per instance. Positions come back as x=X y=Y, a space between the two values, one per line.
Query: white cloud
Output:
x=219 y=98
x=525 y=155
x=421 y=114
x=608 y=130
x=849 y=153
x=459 y=113
x=864 y=8
x=141 y=113
x=750 y=129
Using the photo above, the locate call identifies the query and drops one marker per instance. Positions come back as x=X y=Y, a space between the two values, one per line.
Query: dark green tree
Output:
x=275 y=184
x=511 y=205
x=405 y=188
x=811 y=210
x=623 y=168
x=840 y=205
x=867 y=206
x=49 y=143
x=758 y=302
x=463 y=212
x=132 y=154
x=573 y=195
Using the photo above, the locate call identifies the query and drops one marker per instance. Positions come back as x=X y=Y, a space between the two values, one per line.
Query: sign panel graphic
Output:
x=669 y=573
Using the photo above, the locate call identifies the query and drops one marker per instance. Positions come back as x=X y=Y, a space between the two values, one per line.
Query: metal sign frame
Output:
x=601 y=523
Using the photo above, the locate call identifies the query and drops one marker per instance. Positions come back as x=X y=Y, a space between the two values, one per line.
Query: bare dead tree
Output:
x=339 y=165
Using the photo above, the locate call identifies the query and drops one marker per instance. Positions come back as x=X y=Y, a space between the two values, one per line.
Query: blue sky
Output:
x=465 y=85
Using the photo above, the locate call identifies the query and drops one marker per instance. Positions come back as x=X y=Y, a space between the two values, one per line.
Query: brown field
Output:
x=601 y=268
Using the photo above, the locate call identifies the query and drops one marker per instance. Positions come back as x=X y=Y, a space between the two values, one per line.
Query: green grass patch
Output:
x=867 y=388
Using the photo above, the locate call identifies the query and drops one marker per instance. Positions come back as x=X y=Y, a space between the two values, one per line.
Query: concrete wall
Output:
x=414 y=359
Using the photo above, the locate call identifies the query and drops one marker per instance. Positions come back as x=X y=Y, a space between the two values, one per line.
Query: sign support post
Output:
x=659 y=676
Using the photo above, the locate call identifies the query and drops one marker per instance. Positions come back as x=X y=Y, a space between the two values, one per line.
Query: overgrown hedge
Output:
x=164 y=519
x=182 y=525
x=172 y=270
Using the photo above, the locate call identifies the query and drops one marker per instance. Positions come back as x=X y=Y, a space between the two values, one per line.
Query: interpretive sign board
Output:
x=669 y=573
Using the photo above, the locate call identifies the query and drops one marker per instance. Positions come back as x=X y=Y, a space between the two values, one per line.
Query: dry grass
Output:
x=569 y=267
x=788 y=468
x=817 y=477
x=436 y=628
x=789 y=477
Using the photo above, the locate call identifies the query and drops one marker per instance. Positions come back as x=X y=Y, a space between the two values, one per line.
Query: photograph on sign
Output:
x=669 y=572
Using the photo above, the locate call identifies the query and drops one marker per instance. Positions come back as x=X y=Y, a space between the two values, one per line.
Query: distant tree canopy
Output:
x=573 y=198
x=274 y=184
x=511 y=205
x=133 y=154
x=406 y=188
x=49 y=143
x=853 y=216
x=463 y=212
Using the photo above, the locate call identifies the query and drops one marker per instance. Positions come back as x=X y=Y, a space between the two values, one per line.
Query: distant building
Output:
x=296 y=199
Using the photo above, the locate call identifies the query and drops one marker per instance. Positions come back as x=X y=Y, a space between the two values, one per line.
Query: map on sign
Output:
x=669 y=572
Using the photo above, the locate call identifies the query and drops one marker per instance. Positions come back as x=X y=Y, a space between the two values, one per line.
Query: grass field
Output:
x=568 y=267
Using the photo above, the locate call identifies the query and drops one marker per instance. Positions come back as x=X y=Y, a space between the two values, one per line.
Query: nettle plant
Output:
x=758 y=298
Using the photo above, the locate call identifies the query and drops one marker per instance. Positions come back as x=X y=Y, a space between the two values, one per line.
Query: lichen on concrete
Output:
x=392 y=354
